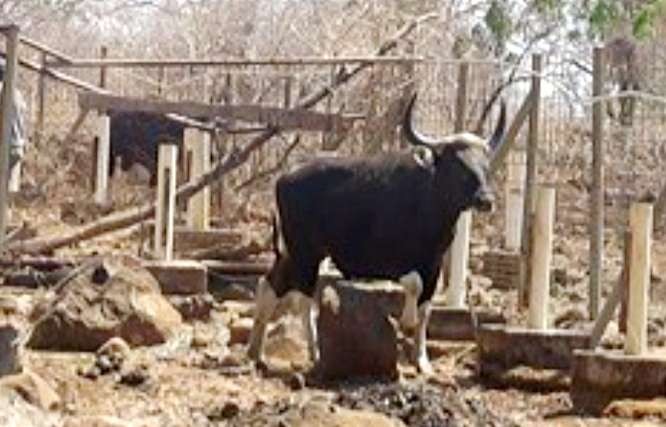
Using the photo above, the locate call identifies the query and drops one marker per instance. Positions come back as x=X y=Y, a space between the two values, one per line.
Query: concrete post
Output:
x=542 y=241
x=640 y=220
x=197 y=149
x=165 y=209
x=516 y=170
x=103 y=154
x=457 y=290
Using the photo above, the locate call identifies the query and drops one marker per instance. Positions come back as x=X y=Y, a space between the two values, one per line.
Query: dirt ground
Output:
x=199 y=379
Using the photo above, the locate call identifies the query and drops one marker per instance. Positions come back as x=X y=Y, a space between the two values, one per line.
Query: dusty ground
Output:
x=197 y=379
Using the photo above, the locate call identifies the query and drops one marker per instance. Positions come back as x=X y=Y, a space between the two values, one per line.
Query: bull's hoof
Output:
x=424 y=366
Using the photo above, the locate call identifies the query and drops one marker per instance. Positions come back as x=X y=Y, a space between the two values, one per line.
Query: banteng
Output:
x=389 y=216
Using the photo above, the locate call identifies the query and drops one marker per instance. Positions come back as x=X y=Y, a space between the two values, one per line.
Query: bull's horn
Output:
x=412 y=135
x=498 y=135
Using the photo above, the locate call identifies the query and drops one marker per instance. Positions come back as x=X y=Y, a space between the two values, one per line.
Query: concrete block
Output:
x=503 y=347
x=601 y=377
x=181 y=277
x=458 y=324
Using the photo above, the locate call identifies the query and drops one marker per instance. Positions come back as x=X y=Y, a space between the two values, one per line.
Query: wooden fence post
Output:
x=8 y=93
x=597 y=200
x=459 y=252
x=165 y=209
x=530 y=180
x=542 y=241
x=41 y=101
x=639 y=277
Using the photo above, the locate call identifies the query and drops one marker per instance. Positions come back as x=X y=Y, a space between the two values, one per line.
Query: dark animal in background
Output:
x=135 y=138
x=389 y=216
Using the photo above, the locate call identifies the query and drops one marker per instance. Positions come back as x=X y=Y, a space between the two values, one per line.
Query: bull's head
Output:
x=462 y=160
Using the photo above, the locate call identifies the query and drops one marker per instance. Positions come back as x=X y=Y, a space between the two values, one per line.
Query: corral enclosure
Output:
x=57 y=188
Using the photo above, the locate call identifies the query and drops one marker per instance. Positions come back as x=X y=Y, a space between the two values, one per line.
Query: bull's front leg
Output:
x=421 y=359
x=309 y=318
x=265 y=303
x=413 y=286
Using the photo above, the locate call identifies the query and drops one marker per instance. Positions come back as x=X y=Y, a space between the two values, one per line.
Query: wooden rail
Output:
x=238 y=62
x=283 y=118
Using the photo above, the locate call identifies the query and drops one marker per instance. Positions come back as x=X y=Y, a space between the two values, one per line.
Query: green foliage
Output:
x=604 y=15
x=499 y=22
x=643 y=22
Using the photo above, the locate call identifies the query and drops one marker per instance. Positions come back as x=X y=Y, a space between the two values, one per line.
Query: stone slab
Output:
x=504 y=347
x=458 y=324
x=601 y=377
x=179 y=277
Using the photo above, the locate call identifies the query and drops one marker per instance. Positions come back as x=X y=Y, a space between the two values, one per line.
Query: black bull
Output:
x=135 y=138
x=386 y=216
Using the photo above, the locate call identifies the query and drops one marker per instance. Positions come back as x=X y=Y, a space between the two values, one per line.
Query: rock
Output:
x=356 y=337
x=637 y=409
x=32 y=388
x=193 y=307
x=9 y=350
x=240 y=330
x=572 y=316
x=15 y=411
x=116 y=349
x=316 y=414
x=116 y=297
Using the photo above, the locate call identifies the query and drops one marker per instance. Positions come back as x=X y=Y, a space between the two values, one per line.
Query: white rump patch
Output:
x=413 y=286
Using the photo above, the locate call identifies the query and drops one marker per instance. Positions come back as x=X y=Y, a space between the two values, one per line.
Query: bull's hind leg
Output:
x=265 y=302
x=421 y=359
x=308 y=285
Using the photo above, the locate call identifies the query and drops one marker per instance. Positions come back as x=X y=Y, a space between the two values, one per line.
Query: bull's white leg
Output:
x=309 y=314
x=265 y=303
x=413 y=286
x=421 y=359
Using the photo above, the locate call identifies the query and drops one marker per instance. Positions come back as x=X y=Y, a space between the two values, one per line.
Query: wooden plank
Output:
x=46 y=50
x=518 y=121
x=287 y=119
x=598 y=190
x=530 y=180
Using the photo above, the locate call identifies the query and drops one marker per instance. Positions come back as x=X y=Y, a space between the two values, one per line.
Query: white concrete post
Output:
x=457 y=290
x=165 y=209
x=8 y=93
x=15 y=177
x=541 y=258
x=640 y=221
x=197 y=149
x=515 y=180
x=103 y=154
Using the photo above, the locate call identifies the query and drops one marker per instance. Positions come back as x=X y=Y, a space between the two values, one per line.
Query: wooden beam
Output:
x=614 y=298
x=46 y=50
x=6 y=125
x=287 y=119
x=511 y=135
x=598 y=189
x=530 y=181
